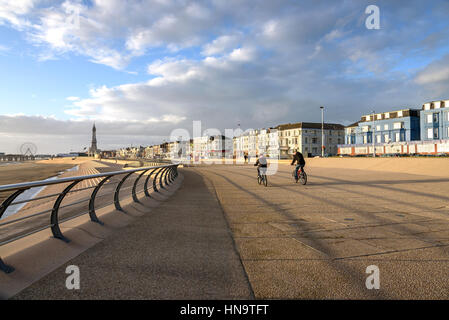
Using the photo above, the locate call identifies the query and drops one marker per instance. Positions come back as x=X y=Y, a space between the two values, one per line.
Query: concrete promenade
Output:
x=180 y=249
x=223 y=236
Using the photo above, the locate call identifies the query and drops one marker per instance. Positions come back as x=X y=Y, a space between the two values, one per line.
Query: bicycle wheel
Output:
x=259 y=179
x=265 y=180
x=303 y=178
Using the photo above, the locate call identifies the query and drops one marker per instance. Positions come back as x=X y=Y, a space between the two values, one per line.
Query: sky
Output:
x=141 y=69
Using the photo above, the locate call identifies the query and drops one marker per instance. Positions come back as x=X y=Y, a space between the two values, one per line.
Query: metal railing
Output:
x=163 y=174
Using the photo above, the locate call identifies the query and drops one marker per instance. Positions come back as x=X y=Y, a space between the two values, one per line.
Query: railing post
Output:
x=9 y=200
x=145 y=186
x=165 y=176
x=170 y=171
x=92 y=214
x=5 y=268
x=173 y=174
x=54 y=220
x=176 y=172
x=117 y=193
x=135 y=186
x=154 y=181
x=161 y=180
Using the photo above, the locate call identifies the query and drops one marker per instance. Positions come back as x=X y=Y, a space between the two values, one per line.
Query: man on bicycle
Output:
x=298 y=157
x=261 y=163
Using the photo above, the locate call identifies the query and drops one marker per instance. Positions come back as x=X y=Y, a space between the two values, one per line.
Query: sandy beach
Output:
x=35 y=170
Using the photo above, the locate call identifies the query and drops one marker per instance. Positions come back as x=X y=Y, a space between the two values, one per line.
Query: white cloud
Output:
x=13 y=11
x=221 y=45
x=242 y=54
x=437 y=71
x=72 y=98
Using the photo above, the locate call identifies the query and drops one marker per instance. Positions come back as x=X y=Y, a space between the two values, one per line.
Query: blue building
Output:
x=435 y=120
x=393 y=126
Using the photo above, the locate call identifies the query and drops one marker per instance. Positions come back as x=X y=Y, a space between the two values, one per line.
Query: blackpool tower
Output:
x=93 y=148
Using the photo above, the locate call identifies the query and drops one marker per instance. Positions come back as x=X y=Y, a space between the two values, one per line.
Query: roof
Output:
x=355 y=124
x=392 y=114
x=310 y=125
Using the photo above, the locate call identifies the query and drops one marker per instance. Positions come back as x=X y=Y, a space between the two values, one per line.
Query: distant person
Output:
x=299 y=159
x=246 y=157
x=261 y=162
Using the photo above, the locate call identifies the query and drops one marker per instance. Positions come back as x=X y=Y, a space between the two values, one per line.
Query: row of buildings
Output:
x=276 y=142
x=409 y=131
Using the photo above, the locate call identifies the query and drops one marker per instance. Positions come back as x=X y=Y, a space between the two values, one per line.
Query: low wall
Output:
x=411 y=147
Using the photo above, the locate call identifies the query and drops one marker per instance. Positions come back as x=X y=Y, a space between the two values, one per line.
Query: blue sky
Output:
x=141 y=69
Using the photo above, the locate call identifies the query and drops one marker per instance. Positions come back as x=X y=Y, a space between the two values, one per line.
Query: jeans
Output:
x=261 y=166
x=296 y=169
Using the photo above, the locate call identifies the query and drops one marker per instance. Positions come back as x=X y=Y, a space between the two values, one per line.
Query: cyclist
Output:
x=261 y=162
x=298 y=157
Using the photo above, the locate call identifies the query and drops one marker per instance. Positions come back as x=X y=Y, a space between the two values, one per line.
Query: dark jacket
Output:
x=299 y=158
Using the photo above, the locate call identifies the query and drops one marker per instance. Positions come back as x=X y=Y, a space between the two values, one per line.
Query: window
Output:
x=386 y=138
x=448 y=131
x=368 y=118
x=436 y=117
x=378 y=138
x=379 y=117
x=397 y=137
x=397 y=125
x=385 y=126
x=430 y=133
x=305 y=140
x=378 y=128
x=387 y=115
x=427 y=106
x=400 y=114
x=435 y=133
x=365 y=139
x=429 y=118
x=314 y=140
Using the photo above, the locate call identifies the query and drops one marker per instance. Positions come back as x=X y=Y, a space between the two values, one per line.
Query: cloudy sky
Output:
x=142 y=68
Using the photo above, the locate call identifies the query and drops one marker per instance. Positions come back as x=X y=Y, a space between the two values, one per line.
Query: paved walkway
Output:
x=316 y=241
x=181 y=249
x=223 y=236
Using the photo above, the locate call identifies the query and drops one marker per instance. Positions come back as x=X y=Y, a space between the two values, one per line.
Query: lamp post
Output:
x=322 y=131
x=374 y=131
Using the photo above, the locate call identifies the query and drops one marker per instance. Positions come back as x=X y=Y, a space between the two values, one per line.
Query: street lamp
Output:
x=374 y=131
x=322 y=131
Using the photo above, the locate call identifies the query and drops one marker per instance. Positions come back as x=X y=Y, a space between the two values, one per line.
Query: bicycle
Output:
x=262 y=178
x=301 y=176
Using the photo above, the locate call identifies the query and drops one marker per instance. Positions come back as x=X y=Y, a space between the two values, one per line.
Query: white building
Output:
x=306 y=138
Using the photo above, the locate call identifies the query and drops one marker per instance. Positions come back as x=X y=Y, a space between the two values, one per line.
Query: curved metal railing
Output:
x=163 y=174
